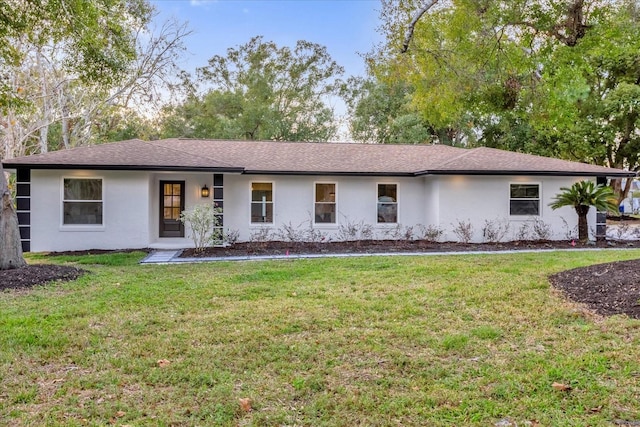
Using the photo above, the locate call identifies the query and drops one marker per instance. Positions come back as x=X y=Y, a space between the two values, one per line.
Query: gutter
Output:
x=122 y=168
x=609 y=174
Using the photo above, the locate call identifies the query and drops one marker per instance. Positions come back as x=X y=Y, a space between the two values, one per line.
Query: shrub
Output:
x=232 y=236
x=350 y=231
x=430 y=233
x=400 y=232
x=495 y=231
x=290 y=233
x=312 y=234
x=204 y=223
x=541 y=230
x=464 y=231
x=621 y=230
x=523 y=233
x=260 y=235
x=569 y=233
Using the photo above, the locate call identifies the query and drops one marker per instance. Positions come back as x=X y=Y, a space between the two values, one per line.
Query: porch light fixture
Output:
x=204 y=191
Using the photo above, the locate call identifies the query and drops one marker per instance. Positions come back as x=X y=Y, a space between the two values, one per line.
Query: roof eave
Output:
x=155 y=168
x=337 y=173
x=609 y=174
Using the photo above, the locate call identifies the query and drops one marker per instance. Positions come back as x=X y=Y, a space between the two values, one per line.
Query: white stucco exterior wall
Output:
x=125 y=212
x=293 y=197
x=131 y=206
x=478 y=199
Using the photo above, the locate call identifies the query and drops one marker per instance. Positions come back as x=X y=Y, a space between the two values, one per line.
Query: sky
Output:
x=346 y=27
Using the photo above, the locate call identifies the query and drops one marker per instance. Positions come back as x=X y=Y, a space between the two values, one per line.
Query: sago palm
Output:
x=582 y=195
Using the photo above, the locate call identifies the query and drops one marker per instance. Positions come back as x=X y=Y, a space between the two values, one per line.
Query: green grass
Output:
x=425 y=341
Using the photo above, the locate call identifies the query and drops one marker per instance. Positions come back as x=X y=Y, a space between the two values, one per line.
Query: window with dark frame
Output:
x=82 y=201
x=262 y=203
x=325 y=204
x=387 y=203
x=524 y=199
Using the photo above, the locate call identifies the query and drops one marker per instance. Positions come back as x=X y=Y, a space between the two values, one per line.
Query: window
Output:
x=524 y=199
x=82 y=201
x=262 y=202
x=388 y=203
x=325 y=204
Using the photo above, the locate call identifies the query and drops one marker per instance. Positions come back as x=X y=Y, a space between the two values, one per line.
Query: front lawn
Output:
x=461 y=340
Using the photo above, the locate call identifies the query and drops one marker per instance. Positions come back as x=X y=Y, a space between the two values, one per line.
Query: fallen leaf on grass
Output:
x=561 y=387
x=120 y=414
x=163 y=363
x=245 y=404
x=596 y=410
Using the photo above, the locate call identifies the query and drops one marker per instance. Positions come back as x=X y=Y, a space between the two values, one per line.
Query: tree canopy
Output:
x=260 y=91
x=56 y=56
x=558 y=78
x=94 y=37
x=56 y=95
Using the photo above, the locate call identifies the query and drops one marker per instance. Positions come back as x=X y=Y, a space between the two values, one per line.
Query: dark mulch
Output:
x=382 y=246
x=607 y=289
x=38 y=274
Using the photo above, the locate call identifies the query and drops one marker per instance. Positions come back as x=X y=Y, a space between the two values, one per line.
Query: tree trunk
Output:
x=44 y=130
x=583 y=226
x=10 y=245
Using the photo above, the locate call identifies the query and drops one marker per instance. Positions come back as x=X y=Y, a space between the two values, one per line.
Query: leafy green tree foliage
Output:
x=56 y=107
x=379 y=112
x=88 y=41
x=94 y=36
x=260 y=91
x=581 y=196
x=558 y=78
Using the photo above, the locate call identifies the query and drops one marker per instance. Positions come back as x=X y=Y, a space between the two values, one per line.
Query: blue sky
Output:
x=345 y=27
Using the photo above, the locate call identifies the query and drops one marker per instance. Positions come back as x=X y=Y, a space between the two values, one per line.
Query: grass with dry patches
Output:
x=463 y=340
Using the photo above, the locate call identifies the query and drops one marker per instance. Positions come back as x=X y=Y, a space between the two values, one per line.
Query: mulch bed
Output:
x=607 y=289
x=38 y=274
x=383 y=246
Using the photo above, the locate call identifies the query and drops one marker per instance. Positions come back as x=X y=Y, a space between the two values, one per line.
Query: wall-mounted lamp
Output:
x=204 y=191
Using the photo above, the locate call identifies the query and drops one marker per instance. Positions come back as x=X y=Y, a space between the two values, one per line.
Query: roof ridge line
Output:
x=186 y=153
x=458 y=157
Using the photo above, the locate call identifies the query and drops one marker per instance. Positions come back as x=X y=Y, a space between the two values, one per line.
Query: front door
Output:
x=171 y=205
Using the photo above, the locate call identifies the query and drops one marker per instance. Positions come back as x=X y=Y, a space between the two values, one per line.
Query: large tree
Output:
x=49 y=44
x=260 y=91
x=57 y=108
x=380 y=111
x=558 y=77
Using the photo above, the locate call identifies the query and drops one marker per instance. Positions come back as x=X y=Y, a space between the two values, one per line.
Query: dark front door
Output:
x=171 y=205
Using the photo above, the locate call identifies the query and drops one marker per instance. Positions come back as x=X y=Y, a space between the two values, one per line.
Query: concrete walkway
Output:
x=161 y=257
x=173 y=256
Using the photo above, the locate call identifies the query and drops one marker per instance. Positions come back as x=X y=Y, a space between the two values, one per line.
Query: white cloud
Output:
x=197 y=3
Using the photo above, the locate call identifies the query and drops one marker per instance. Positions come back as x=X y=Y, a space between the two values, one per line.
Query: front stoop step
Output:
x=161 y=257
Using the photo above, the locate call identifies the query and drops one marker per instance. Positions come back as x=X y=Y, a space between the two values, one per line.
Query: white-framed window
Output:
x=82 y=201
x=325 y=206
x=524 y=199
x=387 y=208
x=262 y=203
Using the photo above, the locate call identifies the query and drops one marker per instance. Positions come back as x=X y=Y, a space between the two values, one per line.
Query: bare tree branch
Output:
x=409 y=33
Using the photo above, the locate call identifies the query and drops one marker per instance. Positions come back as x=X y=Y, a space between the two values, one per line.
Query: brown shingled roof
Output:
x=484 y=160
x=130 y=154
x=305 y=158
